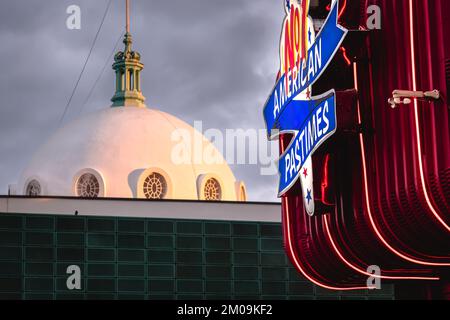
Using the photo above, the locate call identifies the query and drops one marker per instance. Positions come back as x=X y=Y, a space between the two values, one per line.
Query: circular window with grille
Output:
x=212 y=190
x=155 y=186
x=88 y=186
x=33 y=188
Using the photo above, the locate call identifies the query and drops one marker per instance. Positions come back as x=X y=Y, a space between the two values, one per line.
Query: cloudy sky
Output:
x=220 y=56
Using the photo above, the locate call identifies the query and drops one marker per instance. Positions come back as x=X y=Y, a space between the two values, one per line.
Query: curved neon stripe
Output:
x=416 y=121
x=344 y=54
x=295 y=260
x=344 y=6
x=367 y=198
x=298 y=264
x=362 y=271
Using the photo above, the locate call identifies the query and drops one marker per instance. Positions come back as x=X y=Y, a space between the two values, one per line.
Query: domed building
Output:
x=129 y=151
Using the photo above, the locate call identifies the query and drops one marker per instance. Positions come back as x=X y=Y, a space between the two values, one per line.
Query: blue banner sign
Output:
x=290 y=109
x=294 y=82
x=311 y=122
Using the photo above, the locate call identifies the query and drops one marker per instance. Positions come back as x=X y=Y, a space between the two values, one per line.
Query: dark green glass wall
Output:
x=123 y=258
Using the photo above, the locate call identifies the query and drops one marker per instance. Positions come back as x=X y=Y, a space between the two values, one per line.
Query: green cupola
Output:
x=128 y=67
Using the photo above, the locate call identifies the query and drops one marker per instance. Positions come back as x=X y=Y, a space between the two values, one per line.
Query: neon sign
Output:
x=290 y=108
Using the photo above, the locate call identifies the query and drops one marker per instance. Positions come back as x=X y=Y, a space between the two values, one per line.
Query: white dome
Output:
x=122 y=146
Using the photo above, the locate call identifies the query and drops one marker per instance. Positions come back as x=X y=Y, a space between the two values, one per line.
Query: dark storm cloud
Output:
x=209 y=60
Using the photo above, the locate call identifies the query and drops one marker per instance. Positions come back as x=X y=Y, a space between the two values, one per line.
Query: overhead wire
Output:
x=85 y=64
x=107 y=62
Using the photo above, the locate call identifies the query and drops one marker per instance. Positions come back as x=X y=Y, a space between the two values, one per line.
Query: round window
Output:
x=88 y=186
x=212 y=190
x=155 y=186
x=33 y=188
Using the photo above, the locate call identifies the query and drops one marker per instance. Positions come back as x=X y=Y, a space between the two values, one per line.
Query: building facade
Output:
x=131 y=249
